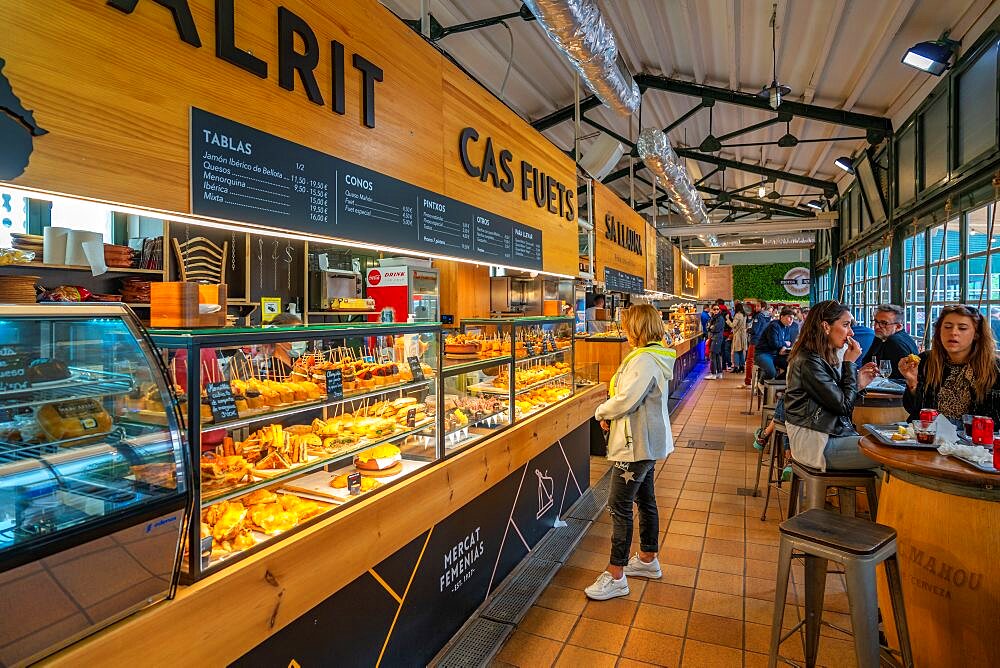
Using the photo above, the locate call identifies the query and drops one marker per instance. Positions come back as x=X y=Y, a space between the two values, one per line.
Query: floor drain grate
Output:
x=746 y=491
x=479 y=643
x=706 y=445
x=558 y=544
x=521 y=591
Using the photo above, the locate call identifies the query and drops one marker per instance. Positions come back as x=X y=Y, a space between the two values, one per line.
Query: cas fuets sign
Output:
x=493 y=165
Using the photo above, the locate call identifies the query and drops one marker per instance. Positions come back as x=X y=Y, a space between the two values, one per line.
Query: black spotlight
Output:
x=931 y=57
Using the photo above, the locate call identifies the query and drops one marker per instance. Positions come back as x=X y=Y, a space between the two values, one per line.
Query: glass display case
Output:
x=92 y=494
x=683 y=323
x=294 y=423
x=478 y=386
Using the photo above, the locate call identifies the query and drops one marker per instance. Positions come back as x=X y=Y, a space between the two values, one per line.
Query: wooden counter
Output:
x=878 y=408
x=947 y=515
x=220 y=618
x=608 y=352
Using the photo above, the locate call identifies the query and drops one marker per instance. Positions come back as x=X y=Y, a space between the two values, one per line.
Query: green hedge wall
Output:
x=760 y=281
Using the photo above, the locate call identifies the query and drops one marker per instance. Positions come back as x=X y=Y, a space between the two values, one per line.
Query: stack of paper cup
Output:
x=75 y=239
x=54 y=245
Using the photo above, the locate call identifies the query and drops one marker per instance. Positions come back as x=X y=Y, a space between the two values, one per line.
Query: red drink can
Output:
x=996 y=454
x=928 y=414
x=982 y=430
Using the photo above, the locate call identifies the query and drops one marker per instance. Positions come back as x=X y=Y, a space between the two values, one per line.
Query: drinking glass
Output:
x=924 y=431
x=885 y=368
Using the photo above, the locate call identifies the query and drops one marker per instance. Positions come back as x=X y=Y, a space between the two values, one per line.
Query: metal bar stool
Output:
x=754 y=388
x=860 y=546
x=773 y=389
x=813 y=485
x=765 y=415
x=778 y=439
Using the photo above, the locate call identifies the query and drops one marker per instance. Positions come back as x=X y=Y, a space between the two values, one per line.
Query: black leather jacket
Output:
x=818 y=398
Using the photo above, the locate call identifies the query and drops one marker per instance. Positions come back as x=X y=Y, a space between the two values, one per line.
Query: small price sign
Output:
x=13 y=370
x=415 y=368
x=221 y=401
x=334 y=384
x=411 y=418
x=354 y=483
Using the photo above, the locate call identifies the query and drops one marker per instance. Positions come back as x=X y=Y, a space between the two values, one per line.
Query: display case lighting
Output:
x=229 y=226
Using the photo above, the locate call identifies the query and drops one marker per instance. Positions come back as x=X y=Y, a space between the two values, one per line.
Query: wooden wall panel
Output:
x=649 y=248
x=467 y=105
x=607 y=253
x=114 y=91
x=465 y=289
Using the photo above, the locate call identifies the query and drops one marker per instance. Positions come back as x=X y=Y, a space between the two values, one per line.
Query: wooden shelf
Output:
x=74 y=267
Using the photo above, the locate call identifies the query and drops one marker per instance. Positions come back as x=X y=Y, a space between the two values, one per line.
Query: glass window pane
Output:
x=978 y=225
x=977 y=107
x=976 y=268
x=906 y=154
x=934 y=136
x=948 y=243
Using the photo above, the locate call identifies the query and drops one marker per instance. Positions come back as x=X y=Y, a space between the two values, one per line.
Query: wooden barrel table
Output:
x=947 y=516
x=878 y=408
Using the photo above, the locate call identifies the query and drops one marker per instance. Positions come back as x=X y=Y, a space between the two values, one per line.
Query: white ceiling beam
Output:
x=870 y=63
x=688 y=9
x=733 y=11
x=823 y=58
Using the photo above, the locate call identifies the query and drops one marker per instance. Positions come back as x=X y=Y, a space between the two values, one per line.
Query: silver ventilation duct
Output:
x=577 y=28
x=789 y=239
x=660 y=158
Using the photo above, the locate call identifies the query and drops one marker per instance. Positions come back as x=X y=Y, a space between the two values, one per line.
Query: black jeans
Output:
x=632 y=482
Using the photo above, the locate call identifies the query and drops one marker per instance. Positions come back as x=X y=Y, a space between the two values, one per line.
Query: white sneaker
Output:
x=710 y=376
x=637 y=566
x=606 y=587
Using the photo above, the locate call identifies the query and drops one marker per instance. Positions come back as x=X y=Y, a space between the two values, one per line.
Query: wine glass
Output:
x=885 y=368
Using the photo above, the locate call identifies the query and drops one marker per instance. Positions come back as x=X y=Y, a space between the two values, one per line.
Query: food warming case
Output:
x=295 y=423
x=92 y=494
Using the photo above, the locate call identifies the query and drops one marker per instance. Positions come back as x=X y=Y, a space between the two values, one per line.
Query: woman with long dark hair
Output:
x=822 y=389
x=959 y=375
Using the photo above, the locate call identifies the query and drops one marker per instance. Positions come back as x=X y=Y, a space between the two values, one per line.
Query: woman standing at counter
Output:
x=638 y=421
x=739 y=325
x=960 y=374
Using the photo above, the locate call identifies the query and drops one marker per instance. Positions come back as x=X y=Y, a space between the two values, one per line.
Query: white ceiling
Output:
x=843 y=54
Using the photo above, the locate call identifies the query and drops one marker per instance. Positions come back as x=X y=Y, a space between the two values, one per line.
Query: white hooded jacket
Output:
x=637 y=407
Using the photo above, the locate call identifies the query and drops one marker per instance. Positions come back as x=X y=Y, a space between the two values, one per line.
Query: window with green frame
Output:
x=823 y=286
x=866 y=284
x=983 y=263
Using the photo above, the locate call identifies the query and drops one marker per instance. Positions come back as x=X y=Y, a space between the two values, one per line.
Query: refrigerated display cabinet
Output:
x=92 y=495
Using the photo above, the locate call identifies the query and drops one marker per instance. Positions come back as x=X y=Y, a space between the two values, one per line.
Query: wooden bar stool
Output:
x=860 y=546
x=813 y=485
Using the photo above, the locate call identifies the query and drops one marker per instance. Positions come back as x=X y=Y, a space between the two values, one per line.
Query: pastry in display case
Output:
x=92 y=497
x=479 y=386
x=296 y=422
x=683 y=322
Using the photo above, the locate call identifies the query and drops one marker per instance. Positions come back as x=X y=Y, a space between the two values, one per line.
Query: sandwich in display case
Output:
x=290 y=424
x=92 y=495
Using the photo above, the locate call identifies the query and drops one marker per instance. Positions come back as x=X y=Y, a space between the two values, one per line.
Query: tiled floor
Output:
x=714 y=604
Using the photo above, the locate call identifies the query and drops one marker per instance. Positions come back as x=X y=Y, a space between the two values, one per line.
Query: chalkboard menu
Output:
x=334 y=384
x=221 y=401
x=240 y=173
x=619 y=281
x=415 y=368
x=13 y=370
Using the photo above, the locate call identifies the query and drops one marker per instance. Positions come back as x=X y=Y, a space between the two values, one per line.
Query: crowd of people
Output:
x=827 y=360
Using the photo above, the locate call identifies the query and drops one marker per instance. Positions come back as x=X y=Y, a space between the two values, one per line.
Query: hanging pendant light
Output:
x=774 y=92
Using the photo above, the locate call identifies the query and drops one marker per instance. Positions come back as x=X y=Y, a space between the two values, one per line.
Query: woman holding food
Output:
x=960 y=374
x=638 y=425
x=821 y=391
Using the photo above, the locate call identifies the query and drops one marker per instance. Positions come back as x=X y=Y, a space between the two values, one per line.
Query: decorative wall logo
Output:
x=545 y=493
x=460 y=559
x=796 y=281
x=374 y=277
x=17 y=128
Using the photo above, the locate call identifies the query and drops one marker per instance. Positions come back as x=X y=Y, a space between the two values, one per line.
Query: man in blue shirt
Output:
x=771 y=352
x=705 y=317
x=759 y=320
